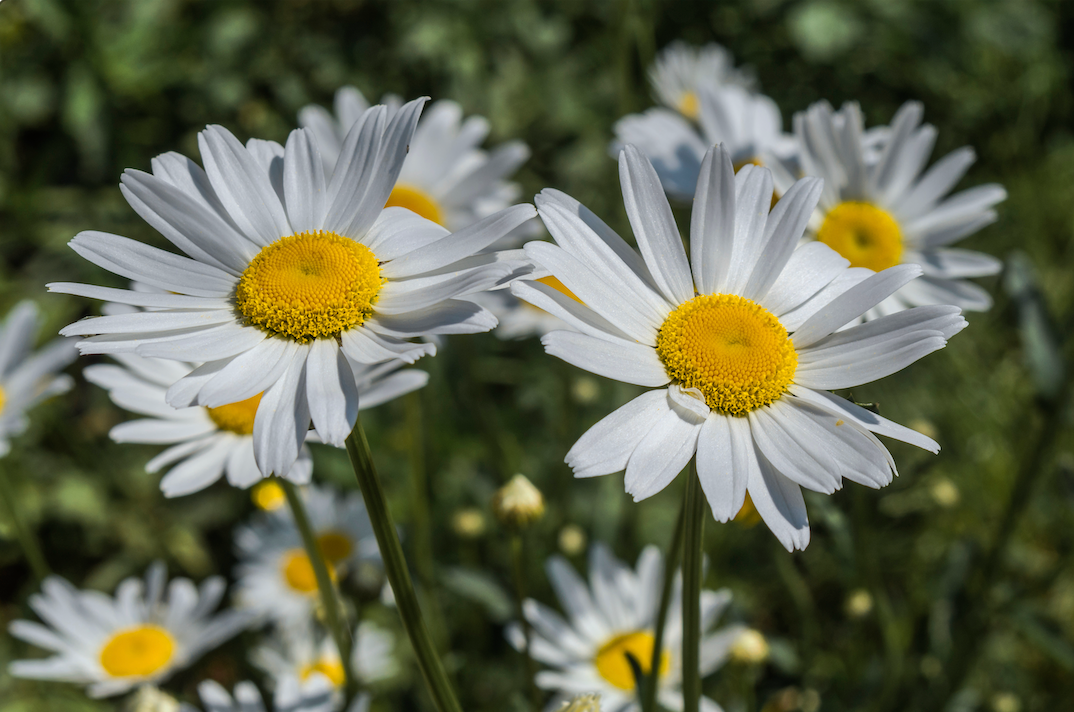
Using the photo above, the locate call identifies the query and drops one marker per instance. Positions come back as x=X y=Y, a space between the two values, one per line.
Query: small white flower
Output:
x=680 y=71
x=613 y=616
x=292 y=276
x=315 y=694
x=206 y=443
x=741 y=342
x=305 y=650
x=888 y=211
x=446 y=177
x=27 y=378
x=139 y=636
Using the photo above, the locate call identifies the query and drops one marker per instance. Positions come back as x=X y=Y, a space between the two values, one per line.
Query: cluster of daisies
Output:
x=306 y=278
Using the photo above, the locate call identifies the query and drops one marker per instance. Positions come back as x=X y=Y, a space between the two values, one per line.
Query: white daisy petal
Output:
x=217 y=342
x=624 y=361
x=955 y=263
x=155 y=300
x=935 y=183
x=303 y=182
x=933 y=290
x=779 y=502
x=452 y=316
x=398 y=231
x=782 y=439
x=332 y=393
x=245 y=375
x=158 y=431
x=782 y=234
x=606 y=447
x=712 y=221
x=366 y=346
x=355 y=167
x=810 y=268
x=724 y=456
x=569 y=310
x=844 y=408
x=753 y=199
x=393 y=386
x=664 y=451
x=282 y=420
x=198 y=472
x=145 y=321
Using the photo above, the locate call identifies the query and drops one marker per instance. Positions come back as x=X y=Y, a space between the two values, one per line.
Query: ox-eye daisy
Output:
x=206 y=443
x=292 y=275
x=741 y=342
x=315 y=694
x=889 y=211
x=139 y=636
x=446 y=176
x=680 y=71
x=27 y=378
x=304 y=650
x=615 y=615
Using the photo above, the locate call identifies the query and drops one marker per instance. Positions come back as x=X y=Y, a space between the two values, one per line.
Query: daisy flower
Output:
x=446 y=177
x=612 y=617
x=142 y=635
x=291 y=276
x=207 y=443
x=680 y=71
x=748 y=125
x=291 y=695
x=303 y=650
x=741 y=343
x=891 y=211
x=275 y=576
x=27 y=378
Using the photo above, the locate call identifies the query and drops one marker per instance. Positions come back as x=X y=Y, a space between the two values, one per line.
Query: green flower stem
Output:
x=671 y=561
x=329 y=596
x=518 y=560
x=421 y=539
x=693 y=528
x=398 y=576
x=31 y=547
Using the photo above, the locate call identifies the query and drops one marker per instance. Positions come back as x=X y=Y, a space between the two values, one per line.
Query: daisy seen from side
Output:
x=681 y=70
x=306 y=650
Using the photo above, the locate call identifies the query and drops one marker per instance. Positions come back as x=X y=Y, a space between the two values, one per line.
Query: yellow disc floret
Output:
x=614 y=666
x=268 y=495
x=335 y=546
x=415 y=200
x=137 y=652
x=689 y=106
x=866 y=235
x=308 y=286
x=332 y=669
x=238 y=417
x=733 y=350
x=298 y=571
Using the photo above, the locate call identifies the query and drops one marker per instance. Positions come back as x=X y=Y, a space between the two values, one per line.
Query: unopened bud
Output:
x=518 y=503
x=589 y=702
x=750 y=647
x=468 y=523
x=151 y=699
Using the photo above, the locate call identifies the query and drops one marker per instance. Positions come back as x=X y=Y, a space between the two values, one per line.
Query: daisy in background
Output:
x=680 y=71
x=142 y=635
x=27 y=378
x=315 y=694
x=891 y=211
x=292 y=276
x=305 y=650
x=446 y=177
x=275 y=578
x=615 y=616
x=741 y=343
x=207 y=443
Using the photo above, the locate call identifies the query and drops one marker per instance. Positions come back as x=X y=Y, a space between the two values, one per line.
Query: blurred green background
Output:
x=952 y=589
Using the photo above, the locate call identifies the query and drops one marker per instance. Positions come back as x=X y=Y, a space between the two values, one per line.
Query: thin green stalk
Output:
x=391 y=552
x=518 y=560
x=671 y=562
x=31 y=547
x=421 y=539
x=329 y=596
x=693 y=528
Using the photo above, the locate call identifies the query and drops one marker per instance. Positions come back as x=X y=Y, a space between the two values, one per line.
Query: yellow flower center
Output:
x=335 y=546
x=238 y=417
x=689 y=106
x=752 y=161
x=863 y=233
x=3 y=399
x=268 y=495
x=310 y=285
x=137 y=652
x=415 y=200
x=733 y=350
x=748 y=516
x=614 y=666
x=332 y=669
x=298 y=572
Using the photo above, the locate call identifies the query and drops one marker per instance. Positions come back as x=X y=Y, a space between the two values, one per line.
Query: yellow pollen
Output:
x=612 y=662
x=733 y=350
x=332 y=669
x=298 y=572
x=268 y=495
x=415 y=200
x=308 y=286
x=689 y=106
x=335 y=546
x=863 y=233
x=238 y=417
x=137 y=652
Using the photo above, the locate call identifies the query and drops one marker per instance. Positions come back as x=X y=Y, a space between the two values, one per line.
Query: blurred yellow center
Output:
x=752 y=161
x=332 y=669
x=238 y=417
x=298 y=571
x=308 y=286
x=864 y=234
x=415 y=200
x=748 y=516
x=3 y=399
x=614 y=666
x=733 y=350
x=689 y=105
x=268 y=495
x=137 y=652
x=335 y=546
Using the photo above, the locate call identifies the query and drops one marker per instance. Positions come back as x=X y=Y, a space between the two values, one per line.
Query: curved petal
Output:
x=623 y=361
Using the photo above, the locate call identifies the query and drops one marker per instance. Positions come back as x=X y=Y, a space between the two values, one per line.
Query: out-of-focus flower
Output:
x=888 y=212
x=113 y=644
x=680 y=71
x=611 y=618
x=741 y=343
x=469 y=523
x=572 y=540
x=518 y=503
x=749 y=646
x=859 y=603
x=150 y=698
x=305 y=650
x=315 y=694
x=292 y=276
x=27 y=378
x=518 y=319
x=589 y=702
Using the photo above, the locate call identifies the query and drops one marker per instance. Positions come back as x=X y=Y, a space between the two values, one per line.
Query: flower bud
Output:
x=151 y=699
x=518 y=503
x=468 y=523
x=589 y=702
x=750 y=647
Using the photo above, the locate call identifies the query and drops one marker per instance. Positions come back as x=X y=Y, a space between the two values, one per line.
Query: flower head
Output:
x=305 y=651
x=518 y=503
x=680 y=72
x=291 y=694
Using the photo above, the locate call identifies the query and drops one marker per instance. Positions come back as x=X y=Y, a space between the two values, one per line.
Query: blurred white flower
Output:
x=315 y=694
x=305 y=650
x=681 y=70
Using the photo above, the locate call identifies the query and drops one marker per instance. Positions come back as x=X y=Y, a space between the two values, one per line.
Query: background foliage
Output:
x=965 y=559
